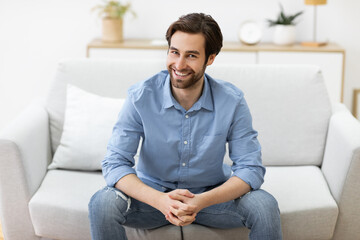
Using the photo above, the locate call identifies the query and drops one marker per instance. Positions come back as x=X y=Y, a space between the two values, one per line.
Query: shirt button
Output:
x=185 y=142
x=184 y=164
x=186 y=116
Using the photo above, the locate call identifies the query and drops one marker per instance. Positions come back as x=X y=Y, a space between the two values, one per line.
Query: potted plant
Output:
x=112 y=13
x=284 y=33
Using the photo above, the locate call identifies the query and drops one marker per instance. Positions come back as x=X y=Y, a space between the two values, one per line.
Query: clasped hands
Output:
x=180 y=206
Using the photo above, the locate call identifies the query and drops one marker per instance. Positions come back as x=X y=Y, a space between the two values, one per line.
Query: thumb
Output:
x=186 y=193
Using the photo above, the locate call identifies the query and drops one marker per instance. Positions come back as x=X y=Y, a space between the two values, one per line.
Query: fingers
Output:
x=172 y=219
x=180 y=204
x=180 y=222
x=185 y=192
x=188 y=218
x=181 y=209
x=181 y=194
x=179 y=212
x=179 y=197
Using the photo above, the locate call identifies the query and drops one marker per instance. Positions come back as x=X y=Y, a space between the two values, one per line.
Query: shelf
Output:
x=228 y=46
x=330 y=57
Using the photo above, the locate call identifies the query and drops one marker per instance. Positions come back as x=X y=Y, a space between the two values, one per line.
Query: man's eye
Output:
x=175 y=52
x=192 y=56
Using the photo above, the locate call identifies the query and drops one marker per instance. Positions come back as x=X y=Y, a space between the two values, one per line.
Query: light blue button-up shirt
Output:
x=184 y=149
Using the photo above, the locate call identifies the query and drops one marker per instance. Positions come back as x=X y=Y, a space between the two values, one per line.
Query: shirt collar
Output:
x=168 y=100
x=205 y=101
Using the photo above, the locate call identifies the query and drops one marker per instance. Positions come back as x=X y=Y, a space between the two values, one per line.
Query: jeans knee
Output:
x=262 y=206
x=262 y=214
x=107 y=203
x=269 y=202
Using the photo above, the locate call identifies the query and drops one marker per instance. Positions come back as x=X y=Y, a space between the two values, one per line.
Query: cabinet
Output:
x=330 y=58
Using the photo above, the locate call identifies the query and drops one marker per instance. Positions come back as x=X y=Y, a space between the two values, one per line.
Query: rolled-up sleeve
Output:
x=122 y=146
x=244 y=148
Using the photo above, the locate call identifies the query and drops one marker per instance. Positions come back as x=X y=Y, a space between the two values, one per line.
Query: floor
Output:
x=1 y=234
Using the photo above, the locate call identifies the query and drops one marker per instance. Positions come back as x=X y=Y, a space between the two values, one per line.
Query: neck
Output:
x=187 y=97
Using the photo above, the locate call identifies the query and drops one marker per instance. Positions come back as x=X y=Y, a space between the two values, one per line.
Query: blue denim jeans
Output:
x=110 y=210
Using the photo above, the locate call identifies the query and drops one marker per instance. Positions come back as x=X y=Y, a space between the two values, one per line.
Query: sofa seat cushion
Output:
x=59 y=209
x=308 y=211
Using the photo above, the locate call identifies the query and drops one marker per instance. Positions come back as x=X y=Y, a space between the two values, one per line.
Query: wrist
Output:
x=156 y=199
x=204 y=200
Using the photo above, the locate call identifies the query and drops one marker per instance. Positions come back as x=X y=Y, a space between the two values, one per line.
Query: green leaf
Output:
x=284 y=19
x=113 y=9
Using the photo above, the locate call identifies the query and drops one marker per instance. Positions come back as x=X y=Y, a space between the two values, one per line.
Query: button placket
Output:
x=186 y=133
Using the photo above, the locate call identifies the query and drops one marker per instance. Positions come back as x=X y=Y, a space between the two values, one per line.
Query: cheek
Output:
x=196 y=67
x=169 y=61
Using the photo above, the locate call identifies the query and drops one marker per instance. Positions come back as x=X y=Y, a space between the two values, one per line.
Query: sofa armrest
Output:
x=24 y=157
x=341 y=167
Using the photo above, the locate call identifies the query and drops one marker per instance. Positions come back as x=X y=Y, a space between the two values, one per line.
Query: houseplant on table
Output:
x=112 y=13
x=284 y=33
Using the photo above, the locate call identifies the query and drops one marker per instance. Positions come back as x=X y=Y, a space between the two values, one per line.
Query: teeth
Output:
x=180 y=74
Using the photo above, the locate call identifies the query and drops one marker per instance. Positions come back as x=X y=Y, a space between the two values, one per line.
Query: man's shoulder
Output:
x=152 y=84
x=221 y=87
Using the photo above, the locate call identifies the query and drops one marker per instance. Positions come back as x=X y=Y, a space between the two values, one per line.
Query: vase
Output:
x=112 y=30
x=284 y=35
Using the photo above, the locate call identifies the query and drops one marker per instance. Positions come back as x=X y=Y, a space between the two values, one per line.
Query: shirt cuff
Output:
x=116 y=174
x=251 y=177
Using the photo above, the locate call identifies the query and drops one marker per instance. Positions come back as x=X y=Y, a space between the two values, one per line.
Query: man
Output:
x=184 y=118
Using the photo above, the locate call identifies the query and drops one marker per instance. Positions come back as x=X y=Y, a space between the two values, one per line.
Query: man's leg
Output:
x=110 y=210
x=257 y=210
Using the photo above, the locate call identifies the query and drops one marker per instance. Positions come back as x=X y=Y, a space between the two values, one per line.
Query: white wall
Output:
x=35 y=34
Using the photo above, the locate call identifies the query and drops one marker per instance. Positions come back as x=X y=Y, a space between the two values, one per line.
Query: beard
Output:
x=192 y=79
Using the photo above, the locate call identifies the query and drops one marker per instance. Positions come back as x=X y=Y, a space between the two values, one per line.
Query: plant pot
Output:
x=112 y=30
x=284 y=35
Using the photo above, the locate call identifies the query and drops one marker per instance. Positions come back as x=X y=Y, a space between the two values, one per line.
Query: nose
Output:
x=180 y=63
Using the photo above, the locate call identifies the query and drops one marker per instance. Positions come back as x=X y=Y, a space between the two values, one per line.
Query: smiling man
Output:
x=184 y=118
x=186 y=64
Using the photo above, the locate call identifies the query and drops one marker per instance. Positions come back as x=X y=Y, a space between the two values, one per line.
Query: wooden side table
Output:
x=1 y=233
x=356 y=104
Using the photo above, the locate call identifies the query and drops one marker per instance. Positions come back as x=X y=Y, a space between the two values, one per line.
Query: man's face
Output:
x=186 y=60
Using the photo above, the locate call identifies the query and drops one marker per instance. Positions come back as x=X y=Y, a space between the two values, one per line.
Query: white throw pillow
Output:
x=88 y=124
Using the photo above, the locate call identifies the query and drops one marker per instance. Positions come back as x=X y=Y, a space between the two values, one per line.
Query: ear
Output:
x=211 y=59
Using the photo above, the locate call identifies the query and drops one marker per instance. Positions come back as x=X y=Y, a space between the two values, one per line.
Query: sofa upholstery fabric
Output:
x=63 y=197
x=106 y=78
x=306 y=108
x=312 y=155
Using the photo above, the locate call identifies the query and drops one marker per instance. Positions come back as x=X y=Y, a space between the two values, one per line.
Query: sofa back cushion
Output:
x=290 y=109
x=107 y=78
x=289 y=103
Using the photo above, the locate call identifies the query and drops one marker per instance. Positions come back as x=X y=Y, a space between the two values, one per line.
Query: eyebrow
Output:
x=189 y=51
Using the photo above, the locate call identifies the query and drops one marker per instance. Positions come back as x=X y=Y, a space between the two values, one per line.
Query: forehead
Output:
x=188 y=41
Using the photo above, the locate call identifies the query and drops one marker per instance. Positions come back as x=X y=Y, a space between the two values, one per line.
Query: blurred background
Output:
x=35 y=35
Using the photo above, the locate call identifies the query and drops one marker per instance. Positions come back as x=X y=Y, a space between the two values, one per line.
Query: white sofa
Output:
x=311 y=150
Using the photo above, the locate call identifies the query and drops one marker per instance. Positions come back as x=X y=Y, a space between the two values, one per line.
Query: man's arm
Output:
x=132 y=186
x=248 y=171
x=230 y=190
x=118 y=165
x=233 y=188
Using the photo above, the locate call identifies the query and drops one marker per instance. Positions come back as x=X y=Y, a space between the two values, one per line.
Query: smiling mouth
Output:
x=180 y=74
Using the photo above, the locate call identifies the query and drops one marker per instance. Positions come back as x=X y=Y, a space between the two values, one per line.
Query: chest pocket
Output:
x=212 y=146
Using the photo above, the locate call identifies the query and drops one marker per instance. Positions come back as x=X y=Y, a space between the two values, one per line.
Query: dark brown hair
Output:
x=199 y=23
